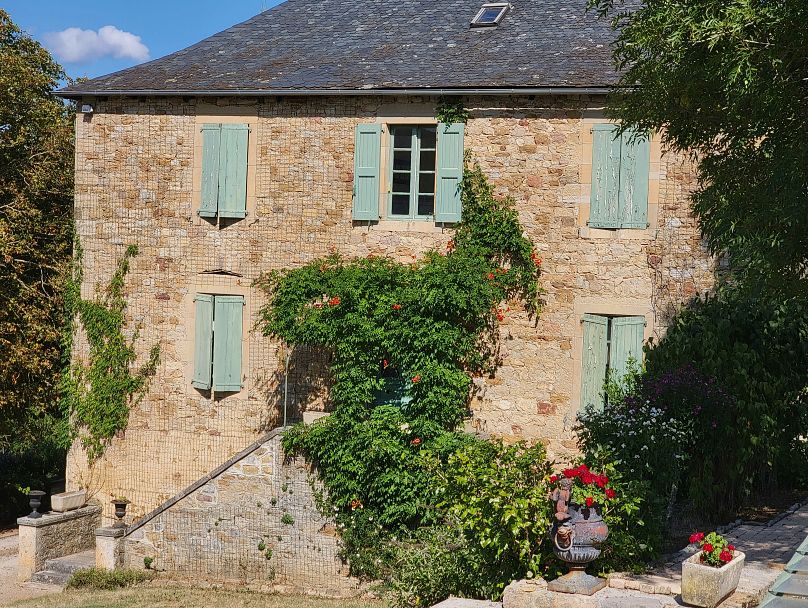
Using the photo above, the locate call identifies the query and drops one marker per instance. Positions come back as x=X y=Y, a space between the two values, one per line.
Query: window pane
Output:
x=489 y=15
x=428 y=161
x=401 y=160
x=426 y=183
x=402 y=137
x=401 y=182
x=426 y=204
x=401 y=204
x=428 y=137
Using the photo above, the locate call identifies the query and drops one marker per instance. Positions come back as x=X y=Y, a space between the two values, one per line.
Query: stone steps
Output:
x=59 y=570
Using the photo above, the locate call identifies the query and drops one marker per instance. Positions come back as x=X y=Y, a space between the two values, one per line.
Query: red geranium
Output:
x=553 y=478
x=696 y=537
x=707 y=548
x=590 y=501
x=725 y=556
x=610 y=494
x=731 y=547
x=335 y=301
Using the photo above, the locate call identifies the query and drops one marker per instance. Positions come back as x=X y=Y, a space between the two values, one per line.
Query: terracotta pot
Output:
x=707 y=586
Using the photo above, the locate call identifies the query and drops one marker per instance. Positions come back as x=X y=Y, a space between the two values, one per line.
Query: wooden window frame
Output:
x=414 y=172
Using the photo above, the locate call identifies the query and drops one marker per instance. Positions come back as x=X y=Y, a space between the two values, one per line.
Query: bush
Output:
x=105 y=580
x=720 y=410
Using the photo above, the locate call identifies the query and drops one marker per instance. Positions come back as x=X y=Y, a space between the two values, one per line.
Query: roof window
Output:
x=490 y=14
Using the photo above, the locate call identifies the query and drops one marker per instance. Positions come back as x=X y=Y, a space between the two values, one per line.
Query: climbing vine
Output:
x=451 y=110
x=98 y=393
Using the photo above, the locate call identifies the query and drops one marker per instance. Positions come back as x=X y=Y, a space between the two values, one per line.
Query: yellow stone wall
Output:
x=137 y=181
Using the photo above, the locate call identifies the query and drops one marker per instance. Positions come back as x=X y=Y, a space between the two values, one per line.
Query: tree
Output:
x=36 y=188
x=727 y=80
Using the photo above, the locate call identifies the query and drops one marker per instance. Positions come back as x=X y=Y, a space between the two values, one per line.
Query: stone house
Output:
x=311 y=129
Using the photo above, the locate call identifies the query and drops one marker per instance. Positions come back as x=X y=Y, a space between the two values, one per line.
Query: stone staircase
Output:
x=58 y=571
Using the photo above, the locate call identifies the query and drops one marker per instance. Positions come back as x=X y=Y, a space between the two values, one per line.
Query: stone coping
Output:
x=52 y=517
x=111 y=532
x=201 y=482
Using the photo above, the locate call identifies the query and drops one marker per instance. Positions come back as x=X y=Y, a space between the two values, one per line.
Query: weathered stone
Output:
x=54 y=535
x=706 y=586
x=137 y=181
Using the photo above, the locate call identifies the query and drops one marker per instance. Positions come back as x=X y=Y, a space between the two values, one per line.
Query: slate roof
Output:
x=371 y=45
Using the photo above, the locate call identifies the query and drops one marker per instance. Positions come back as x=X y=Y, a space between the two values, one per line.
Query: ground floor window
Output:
x=609 y=342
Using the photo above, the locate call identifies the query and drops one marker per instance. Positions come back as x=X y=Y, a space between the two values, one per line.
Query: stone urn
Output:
x=120 y=511
x=577 y=541
x=707 y=586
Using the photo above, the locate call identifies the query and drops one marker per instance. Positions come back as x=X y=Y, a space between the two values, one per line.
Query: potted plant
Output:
x=579 y=529
x=712 y=574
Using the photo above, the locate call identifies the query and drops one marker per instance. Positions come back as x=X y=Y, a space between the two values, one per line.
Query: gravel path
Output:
x=10 y=589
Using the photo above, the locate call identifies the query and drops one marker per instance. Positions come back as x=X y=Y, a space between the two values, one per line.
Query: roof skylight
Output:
x=490 y=14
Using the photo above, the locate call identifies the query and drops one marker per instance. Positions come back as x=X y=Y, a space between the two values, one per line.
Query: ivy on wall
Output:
x=451 y=110
x=98 y=393
x=405 y=341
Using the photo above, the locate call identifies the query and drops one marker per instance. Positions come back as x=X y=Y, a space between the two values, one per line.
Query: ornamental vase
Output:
x=589 y=531
x=707 y=586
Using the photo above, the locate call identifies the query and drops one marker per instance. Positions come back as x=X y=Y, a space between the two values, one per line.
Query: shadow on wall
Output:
x=298 y=384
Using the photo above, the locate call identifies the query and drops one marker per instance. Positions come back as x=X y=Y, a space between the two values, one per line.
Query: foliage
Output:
x=729 y=373
x=105 y=580
x=497 y=495
x=36 y=185
x=586 y=487
x=451 y=110
x=715 y=549
x=425 y=509
x=726 y=80
x=97 y=395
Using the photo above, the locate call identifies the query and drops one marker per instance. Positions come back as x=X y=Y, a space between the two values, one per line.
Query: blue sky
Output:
x=76 y=32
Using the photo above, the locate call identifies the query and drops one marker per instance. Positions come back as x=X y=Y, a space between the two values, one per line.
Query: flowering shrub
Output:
x=588 y=488
x=715 y=549
x=730 y=372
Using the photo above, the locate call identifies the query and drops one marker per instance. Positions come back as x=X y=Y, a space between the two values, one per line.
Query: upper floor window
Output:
x=412 y=172
x=224 y=170
x=620 y=171
x=425 y=168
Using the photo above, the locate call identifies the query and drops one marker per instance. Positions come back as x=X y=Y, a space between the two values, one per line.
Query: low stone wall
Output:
x=55 y=535
x=253 y=522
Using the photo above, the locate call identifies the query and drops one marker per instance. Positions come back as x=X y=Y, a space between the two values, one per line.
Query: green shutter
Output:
x=593 y=360
x=227 y=338
x=211 y=145
x=394 y=393
x=450 y=172
x=635 y=156
x=626 y=342
x=233 y=171
x=203 y=341
x=367 y=166
x=604 y=199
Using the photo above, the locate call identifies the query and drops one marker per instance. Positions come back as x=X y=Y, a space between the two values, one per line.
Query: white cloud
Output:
x=75 y=45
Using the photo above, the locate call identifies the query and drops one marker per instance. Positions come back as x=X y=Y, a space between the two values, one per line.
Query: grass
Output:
x=106 y=580
x=175 y=597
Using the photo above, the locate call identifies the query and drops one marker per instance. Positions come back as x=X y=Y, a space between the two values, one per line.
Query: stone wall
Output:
x=137 y=181
x=254 y=522
x=55 y=535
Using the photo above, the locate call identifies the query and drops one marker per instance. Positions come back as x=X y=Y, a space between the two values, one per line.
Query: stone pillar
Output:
x=55 y=535
x=109 y=548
